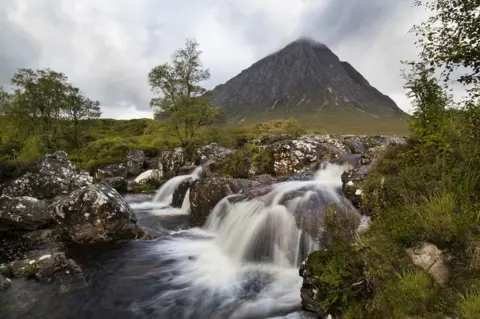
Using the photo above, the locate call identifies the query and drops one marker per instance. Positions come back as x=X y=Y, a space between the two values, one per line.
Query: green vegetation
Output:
x=248 y=161
x=425 y=191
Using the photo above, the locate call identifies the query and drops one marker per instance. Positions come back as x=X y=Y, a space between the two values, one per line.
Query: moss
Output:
x=30 y=270
x=248 y=161
x=6 y=271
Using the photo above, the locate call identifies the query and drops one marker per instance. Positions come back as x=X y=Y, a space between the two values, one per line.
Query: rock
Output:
x=135 y=162
x=179 y=193
x=151 y=163
x=431 y=259
x=206 y=193
x=56 y=176
x=170 y=161
x=302 y=154
x=308 y=292
x=23 y=213
x=264 y=179
x=45 y=267
x=211 y=152
x=150 y=176
x=118 y=183
x=96 y=213
x=112 y=170
x=352 y=180
x=4 y=283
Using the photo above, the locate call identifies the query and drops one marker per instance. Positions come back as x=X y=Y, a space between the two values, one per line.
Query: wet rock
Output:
x=112 y=170
x=169 y=162
x=118 y=183
x=431 y=259
x=93 y=214
x=135 y=162
x=308 y=292
x=4 y=283
x=264 y=179
x=302 y=154
x=56 y=176
x=211 y=152
x=151 y=163
x=23 y=213
x=179 y=193
x=352 y=180
x=206 y=193
x=45 y=267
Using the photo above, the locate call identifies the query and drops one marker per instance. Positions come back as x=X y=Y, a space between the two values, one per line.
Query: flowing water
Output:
x=242 y=264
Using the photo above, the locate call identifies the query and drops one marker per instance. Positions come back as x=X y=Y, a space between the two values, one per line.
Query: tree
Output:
x=450 y=38
x=5 y=100
x=179 y=94
x=77 y=108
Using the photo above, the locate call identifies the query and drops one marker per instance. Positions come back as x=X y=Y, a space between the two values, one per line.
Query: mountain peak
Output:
x=305 y=77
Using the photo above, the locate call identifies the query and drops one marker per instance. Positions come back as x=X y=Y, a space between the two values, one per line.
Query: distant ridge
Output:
x=303 y=78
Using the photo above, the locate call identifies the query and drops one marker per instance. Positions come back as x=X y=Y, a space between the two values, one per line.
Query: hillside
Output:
x=306 y=80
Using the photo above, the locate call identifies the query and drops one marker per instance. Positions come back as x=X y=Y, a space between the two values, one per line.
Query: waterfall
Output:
x=271 y=227
x=165 y=193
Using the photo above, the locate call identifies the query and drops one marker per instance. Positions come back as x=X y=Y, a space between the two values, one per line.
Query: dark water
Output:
x=182 y=275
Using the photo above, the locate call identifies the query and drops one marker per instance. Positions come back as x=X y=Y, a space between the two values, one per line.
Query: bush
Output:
x=248 y=161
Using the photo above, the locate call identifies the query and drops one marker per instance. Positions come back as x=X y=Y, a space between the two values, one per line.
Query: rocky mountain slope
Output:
x=305 y=77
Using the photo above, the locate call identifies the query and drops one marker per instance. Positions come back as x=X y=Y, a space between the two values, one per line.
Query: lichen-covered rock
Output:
x=302 y=154
x=352 y=180
x=431 y=259
x=112 y=170
x=180 y=192
x=206 y=193
x=96 y=213
x=135 y=162
x=119 y=183
x=23 y=213
x=56 y=176
x=170 y=161
x=211 y=152
x=4 y=283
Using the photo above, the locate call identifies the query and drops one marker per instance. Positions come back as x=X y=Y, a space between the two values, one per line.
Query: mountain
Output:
x=303 y=79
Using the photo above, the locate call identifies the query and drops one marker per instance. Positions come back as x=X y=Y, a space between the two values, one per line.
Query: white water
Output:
x=244 y=262
x=160 y=203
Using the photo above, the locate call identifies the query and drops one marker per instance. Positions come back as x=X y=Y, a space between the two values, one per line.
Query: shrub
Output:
x=248 y=161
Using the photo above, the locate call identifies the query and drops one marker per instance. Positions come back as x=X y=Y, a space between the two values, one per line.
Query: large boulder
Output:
x=206 y=193
x=169 y=162
x=112 y=170
x=305 y=153
x=151 y=176
x=56 y=176
x=96 y=213
x=210 y=152
x=179 y=193
x=135 y=162
x=23 y=213
x=431 y=259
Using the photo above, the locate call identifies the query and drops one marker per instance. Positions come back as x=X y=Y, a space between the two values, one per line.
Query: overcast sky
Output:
x=107 y=47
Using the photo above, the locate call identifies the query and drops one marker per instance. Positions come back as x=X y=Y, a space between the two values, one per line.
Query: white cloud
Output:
x=107 y=47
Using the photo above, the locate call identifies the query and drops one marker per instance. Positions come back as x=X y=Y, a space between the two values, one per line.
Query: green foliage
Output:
x=469 y=305
x=290 y=126
x=248 y=161
x=178 y=93
x=450 y=38
x=6 y=271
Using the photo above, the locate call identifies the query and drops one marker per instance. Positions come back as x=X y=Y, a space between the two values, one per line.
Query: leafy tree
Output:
x=450 y=38
x=179 y=94
x=77 y=108
x=5 y=100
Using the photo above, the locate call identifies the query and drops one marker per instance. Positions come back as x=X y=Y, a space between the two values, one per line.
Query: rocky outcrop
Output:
x=23 y=213
x=170 y=161
x=431 y=259
x=303 y=154
x=210 y=152
x=112 y=170
x=96 y=214
x=206 y=193
x=135 y=162
x=56 y=176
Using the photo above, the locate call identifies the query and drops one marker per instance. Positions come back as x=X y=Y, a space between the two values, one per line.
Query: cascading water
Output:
x=244 y=262
x=163 y=197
